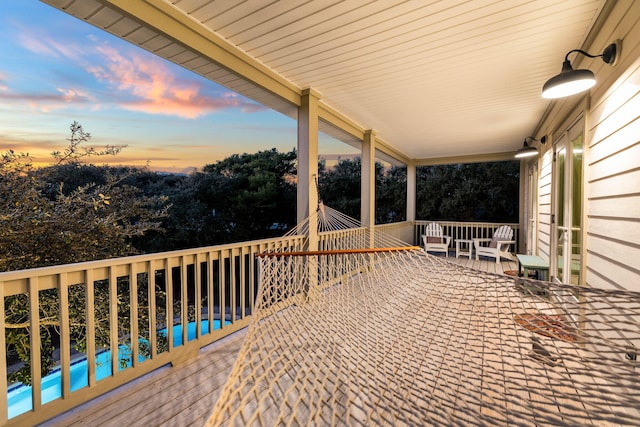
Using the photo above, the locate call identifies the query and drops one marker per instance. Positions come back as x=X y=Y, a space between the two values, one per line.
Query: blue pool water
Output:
x=19 y=395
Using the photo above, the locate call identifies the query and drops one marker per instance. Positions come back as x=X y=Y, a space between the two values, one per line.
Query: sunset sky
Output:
x=56 y=69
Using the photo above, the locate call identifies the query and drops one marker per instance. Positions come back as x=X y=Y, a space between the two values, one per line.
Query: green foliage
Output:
x=37 y=205
x=340 y=186
x=248 y=196
x=243 y=197
x=35 y=229
x=184 y=224
x=391 y=194
x=462 y=192
x=469 y=192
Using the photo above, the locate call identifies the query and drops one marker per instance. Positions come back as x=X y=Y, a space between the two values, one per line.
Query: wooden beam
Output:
x=166 y=19
x=474 y=158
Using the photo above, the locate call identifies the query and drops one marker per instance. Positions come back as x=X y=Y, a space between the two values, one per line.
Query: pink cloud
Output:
x=156 y=89
x=75 y=95
x=46 y=102
x=140 y=81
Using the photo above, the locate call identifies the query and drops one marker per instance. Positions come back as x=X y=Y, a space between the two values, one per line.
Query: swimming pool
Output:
x=19 y=395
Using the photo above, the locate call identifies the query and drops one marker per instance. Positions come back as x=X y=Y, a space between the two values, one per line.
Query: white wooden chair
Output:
x=496 y=247
x=434 y=240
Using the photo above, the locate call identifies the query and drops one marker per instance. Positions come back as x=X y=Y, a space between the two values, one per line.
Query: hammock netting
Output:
x=398 y=337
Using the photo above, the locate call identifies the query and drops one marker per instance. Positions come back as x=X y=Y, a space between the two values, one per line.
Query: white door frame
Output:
x=531 y=216
x=561 y=247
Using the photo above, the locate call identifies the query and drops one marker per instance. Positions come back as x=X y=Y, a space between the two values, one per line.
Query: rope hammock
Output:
x=398 y=337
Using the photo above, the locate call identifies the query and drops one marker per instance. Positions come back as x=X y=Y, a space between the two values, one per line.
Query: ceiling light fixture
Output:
x=570 y=81
x=527 y=150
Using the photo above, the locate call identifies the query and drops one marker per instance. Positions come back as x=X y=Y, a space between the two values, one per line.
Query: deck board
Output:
x=194 y=386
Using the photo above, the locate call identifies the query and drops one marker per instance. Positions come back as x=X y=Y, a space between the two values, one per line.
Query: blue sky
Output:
x=56 y=69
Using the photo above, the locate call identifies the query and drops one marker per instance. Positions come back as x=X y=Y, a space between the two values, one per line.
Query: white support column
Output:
x=308 y=157
x=368 y=183
x=522 y=208
x=308 y=166
x=368 y=179
x=307 y=175
x=411 y=191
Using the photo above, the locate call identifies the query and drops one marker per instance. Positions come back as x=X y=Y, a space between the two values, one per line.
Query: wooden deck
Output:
x=485 y=264
x=171 y=396
x=184 y=395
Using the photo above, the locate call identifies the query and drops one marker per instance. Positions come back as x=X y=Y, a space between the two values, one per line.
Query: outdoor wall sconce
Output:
x=570 y=81
x=527 y=150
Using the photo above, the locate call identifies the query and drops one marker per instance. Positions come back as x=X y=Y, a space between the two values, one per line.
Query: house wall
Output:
x=544 y=205
x=612 y=156
x=613 y=184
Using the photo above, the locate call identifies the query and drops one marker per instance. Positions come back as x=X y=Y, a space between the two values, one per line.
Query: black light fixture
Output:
x=527 y=150
x=570 y=81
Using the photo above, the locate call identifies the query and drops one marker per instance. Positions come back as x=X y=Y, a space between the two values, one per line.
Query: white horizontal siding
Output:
x=544 y=206
x=608 y=273
x=623 y=184
x=615 y=207
x=607 y=245
x=625 y=160
x=616 y=229
x=611 y=141
x=613 y=171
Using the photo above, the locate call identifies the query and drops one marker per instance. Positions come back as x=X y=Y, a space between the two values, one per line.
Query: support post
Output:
x=307 y=154
x=368 y=183
x=522 y=210
x=307 y=175
x=411 y=192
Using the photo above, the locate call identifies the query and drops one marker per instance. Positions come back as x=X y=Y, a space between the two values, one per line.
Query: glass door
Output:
x=568 y=163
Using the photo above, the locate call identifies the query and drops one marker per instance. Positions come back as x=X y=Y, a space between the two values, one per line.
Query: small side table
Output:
x=466 y=249
x=532 y=262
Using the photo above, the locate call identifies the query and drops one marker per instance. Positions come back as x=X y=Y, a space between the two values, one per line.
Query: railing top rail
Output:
x=471 y=223
x=111 y=262
x=336 y=252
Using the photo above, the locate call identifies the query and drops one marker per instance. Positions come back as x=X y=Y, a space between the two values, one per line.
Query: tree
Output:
x=340 y=186
x=248 y=196
x=391 y=194
x=468 y=192
x=75 y=151
x=182 y=227
x=44 y=221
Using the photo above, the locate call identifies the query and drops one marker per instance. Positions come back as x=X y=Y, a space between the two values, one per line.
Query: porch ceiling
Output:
x=434 y=78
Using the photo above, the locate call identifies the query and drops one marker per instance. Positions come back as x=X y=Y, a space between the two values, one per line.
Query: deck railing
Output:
x=467 y=230
x=115 y=320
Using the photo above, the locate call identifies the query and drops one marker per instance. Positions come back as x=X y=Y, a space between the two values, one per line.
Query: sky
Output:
x=56 y=69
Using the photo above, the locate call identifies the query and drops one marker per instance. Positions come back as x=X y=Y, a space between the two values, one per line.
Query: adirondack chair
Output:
x=434 y=240
x=496 y=247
